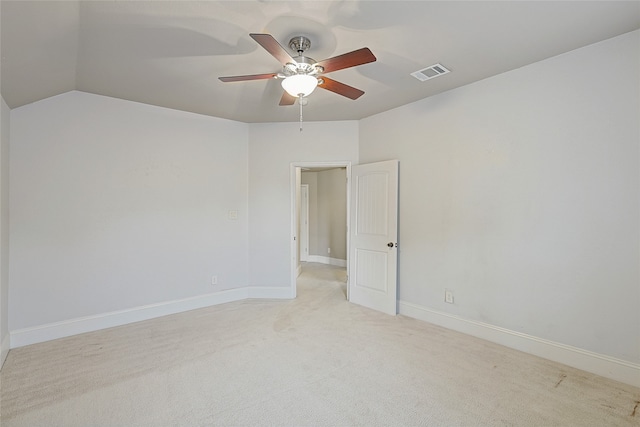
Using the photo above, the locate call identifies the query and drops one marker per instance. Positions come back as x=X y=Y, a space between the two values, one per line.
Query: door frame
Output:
x=304 y=222
x=293 y=183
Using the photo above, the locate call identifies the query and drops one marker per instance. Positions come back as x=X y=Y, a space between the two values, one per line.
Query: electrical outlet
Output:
x=328 y=250
x=214 y=280
x=448 y=296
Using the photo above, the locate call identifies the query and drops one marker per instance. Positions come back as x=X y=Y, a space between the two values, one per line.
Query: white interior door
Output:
x=304 y=222
x=373 y=254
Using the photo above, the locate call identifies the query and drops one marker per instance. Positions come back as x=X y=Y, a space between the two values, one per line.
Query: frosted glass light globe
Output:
x=299 y=84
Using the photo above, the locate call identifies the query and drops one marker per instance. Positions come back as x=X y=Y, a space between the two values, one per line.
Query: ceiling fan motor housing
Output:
x=303 y=64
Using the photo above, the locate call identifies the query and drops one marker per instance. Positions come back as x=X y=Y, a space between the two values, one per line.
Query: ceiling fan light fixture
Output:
x=300 y=85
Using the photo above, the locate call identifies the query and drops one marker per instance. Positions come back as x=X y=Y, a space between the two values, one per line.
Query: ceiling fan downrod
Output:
x=299 y=44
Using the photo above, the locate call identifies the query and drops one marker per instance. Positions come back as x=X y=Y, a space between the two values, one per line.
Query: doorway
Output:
x=322 y=225
x=304 y=221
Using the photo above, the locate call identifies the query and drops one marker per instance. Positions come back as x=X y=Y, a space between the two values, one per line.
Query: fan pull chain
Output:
x=300 y=102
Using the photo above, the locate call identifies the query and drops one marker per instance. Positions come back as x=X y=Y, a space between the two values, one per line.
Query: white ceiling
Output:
x=171 y=53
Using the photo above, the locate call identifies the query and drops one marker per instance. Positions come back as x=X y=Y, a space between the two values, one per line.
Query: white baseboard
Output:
x=65 y=328
x=327 y=260
x=4 y=350
x=606 y=366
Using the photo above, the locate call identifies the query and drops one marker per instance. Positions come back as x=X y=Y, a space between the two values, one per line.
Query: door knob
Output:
x=390 y=244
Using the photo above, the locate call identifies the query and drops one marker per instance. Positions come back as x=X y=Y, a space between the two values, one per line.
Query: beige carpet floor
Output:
x=316 y=360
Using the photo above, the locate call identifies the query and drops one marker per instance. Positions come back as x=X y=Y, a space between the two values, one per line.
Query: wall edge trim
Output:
x=599 y=364
x=66 y=328
x=4 y=349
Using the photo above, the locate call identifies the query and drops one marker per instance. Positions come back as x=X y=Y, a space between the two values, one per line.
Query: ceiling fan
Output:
x=301 y=74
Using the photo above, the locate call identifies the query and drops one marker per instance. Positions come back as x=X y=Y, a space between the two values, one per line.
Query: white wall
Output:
x=117 y=205
x=272 y=148
x=4 y=231
x=521 y=194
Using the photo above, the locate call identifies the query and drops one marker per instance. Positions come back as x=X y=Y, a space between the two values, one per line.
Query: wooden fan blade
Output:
x=273 y=47
x=347 y=60
x=287 y=99
x=249 y=77
x=340 y=88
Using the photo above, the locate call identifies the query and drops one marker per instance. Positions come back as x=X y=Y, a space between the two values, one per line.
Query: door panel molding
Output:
x=373 y=255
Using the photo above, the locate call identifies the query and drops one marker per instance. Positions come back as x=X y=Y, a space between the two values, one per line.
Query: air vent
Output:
x=430 y=72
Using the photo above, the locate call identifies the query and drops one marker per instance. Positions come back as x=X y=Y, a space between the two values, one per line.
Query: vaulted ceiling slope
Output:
x=171 y=53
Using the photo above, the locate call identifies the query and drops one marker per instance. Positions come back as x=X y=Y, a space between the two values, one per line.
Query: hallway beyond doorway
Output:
x=315 y=275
